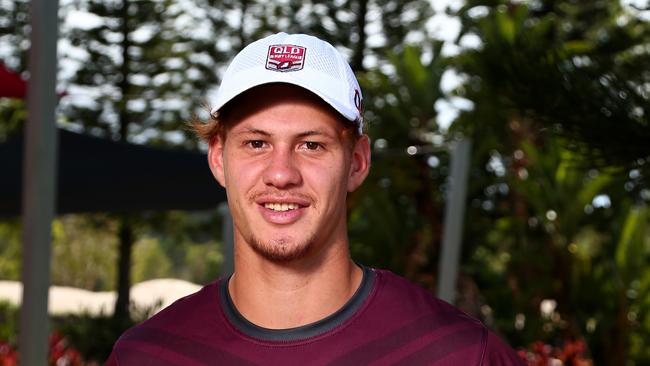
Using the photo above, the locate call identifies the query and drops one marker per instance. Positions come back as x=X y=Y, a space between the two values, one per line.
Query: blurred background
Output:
x=553 y=94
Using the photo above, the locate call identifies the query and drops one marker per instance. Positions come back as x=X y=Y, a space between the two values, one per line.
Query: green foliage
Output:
x=83 y=251
x=574 y=67
x=185 y=237
x=10 y=250
x=8 y=323
x=195 y=262
x=174 y=244
x=14 y=31
x=145 y=68
x=559 y=246
x=559 y=123
x=12 y=117
x=149 y=261
x=632 y=256
x=342 y=23
x=203 y=262
x=632 y=244
x=92 y=336
x=395 y=216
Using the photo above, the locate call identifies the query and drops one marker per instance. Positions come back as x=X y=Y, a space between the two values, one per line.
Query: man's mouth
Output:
x=281 y=207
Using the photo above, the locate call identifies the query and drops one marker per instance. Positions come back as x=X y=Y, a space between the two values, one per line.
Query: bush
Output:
x=570 y=353
x=8 y=324
x=94 y=335
x=75 y=340
x=59 y=353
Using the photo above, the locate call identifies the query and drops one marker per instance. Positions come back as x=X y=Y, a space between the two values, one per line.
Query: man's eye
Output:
x=256 y=144
x=310 y=145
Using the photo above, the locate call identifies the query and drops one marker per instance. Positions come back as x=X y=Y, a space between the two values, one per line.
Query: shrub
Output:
x=8 y=323
x=570 y=353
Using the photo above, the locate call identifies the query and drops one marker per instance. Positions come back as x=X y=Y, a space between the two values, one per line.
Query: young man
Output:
x=286 y=141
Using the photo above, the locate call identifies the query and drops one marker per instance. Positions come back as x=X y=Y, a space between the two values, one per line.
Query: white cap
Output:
x=297 y=59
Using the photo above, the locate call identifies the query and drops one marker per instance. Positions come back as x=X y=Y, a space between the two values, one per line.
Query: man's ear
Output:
x=360 y=163
x=215 y=159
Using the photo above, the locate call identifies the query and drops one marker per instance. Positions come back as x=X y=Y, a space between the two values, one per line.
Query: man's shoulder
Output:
x=402 y=294
x=185 y=308
x=451 y=333
x=181 y=323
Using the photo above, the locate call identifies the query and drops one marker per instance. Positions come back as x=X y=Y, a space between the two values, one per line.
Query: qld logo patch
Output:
x=285 y=57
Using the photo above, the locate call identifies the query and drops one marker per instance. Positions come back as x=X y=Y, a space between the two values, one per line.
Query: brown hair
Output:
x=209 y=129
x=218 y=124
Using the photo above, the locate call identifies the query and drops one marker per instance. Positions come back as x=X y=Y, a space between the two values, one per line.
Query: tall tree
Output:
x=143 y=72
x=578 y=68
x=560 y=118
x=363 y=29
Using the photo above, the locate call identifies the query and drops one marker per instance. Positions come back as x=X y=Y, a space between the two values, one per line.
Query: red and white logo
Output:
x=285 y=57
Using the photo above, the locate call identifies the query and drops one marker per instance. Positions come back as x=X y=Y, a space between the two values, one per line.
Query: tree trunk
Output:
x=360 y=47
x=122 y=314
x=242 y=20
x=126 y=238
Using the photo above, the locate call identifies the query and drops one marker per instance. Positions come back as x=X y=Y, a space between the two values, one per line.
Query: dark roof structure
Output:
x=99 y=175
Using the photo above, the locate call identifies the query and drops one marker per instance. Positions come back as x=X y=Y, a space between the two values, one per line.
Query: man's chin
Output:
x=281 y=250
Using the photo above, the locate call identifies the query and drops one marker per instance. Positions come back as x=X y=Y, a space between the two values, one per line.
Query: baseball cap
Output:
x=297 y=59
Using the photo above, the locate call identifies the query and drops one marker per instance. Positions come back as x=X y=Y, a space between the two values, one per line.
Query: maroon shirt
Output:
x=388 y=321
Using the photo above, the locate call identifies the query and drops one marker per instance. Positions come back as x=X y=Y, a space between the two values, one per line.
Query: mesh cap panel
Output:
x=297 y=59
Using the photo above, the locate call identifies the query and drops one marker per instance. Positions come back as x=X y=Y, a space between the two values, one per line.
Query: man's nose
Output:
x=282 y=170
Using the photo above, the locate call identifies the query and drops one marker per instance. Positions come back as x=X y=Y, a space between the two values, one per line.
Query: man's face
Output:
x=287 y=164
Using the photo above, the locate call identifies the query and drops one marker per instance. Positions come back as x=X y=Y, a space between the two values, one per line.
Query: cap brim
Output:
x=316 y=85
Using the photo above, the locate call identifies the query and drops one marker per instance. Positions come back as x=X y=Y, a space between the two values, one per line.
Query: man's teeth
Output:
x=281 y=206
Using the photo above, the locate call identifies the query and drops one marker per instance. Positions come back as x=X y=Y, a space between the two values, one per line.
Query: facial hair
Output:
x=280 y=250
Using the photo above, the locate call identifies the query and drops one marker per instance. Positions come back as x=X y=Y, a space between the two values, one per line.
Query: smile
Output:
x=281 y=206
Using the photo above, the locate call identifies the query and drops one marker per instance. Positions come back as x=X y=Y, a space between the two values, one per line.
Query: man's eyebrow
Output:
x=253 y=131
x=312 y=133
x=309 y=133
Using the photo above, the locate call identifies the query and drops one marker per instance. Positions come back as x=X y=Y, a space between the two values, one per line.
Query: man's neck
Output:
x=289 y=295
